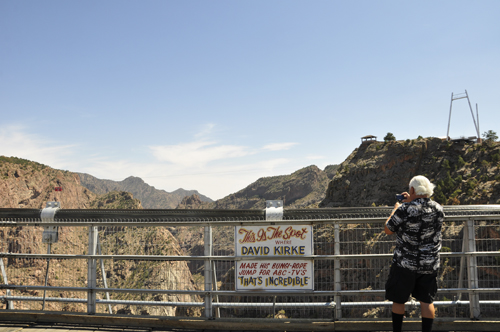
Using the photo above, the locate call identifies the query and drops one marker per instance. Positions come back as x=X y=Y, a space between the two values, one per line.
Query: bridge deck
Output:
x=66 y=322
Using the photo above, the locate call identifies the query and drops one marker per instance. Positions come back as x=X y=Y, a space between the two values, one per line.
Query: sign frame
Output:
x=274 y=241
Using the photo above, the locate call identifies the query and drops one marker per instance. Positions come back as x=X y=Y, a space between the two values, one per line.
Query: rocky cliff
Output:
x=150 y=197
x=465 y=173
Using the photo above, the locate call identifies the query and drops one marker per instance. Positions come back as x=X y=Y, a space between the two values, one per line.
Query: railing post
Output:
x=336 y=270
x=92 y=271
x=462 y=268
x=215 y=288
x=475 y=310
x=208 y=271
x=103 y=272
x=50 y=235
x=10 y=305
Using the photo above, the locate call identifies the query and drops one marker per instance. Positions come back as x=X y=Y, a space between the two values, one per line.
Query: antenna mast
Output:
x=476 y=123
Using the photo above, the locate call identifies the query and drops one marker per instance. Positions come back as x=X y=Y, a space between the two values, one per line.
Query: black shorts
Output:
x=403 y=282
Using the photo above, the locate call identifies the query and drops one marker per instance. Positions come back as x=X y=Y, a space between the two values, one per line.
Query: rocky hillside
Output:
x=303 y=188
x=116 y=200
x=27 y=184
x=150 y=197
x=465 y=173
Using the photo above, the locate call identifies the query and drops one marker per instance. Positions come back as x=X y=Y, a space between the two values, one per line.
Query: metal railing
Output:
x=135 y=262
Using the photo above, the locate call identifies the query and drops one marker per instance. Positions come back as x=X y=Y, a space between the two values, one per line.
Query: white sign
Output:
x=274 y=240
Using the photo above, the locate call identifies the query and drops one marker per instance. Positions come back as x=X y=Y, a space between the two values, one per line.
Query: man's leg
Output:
x=427 y=310
x=398 y=310
x=428 y=314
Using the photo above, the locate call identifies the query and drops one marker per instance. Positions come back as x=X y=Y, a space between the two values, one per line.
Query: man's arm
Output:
x=386 y=229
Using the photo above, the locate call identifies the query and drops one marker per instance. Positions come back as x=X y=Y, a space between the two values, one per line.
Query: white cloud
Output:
x=115 y=170
x=215 y=170
x=315 y=157
x=198 y=153
x=206 y=130
x=272 y=164
x=215 y=181
x=16 y=141
x=279 y=146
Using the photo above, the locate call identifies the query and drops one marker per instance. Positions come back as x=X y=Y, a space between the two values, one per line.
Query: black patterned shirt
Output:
x=417 y=225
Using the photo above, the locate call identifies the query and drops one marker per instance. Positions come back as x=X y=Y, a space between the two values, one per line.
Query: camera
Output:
x=400 y=198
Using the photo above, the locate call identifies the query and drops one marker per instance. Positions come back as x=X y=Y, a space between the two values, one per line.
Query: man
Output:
x=417 y=224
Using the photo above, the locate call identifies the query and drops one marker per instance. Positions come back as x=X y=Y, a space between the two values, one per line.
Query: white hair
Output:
x=422 y=185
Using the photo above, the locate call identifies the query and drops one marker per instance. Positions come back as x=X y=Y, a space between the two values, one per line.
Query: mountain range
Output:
x=464 y=173
x=303 y=188
x=29 y=184
x=150 y=197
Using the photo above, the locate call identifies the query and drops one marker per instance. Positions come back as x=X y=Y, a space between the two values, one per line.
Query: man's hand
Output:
x=407 y=197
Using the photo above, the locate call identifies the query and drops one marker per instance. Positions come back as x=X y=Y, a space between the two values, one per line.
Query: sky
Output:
x=213 y=95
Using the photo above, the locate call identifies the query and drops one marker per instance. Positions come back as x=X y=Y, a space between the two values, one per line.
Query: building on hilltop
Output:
x=368 y=139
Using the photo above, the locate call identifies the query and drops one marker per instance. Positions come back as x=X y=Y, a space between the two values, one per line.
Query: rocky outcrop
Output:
x=150 y=197
x=194 y=202
x=465 y=173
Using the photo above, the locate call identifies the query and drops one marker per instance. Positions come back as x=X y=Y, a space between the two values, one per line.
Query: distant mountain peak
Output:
x=303 y=188
x=150 y=197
